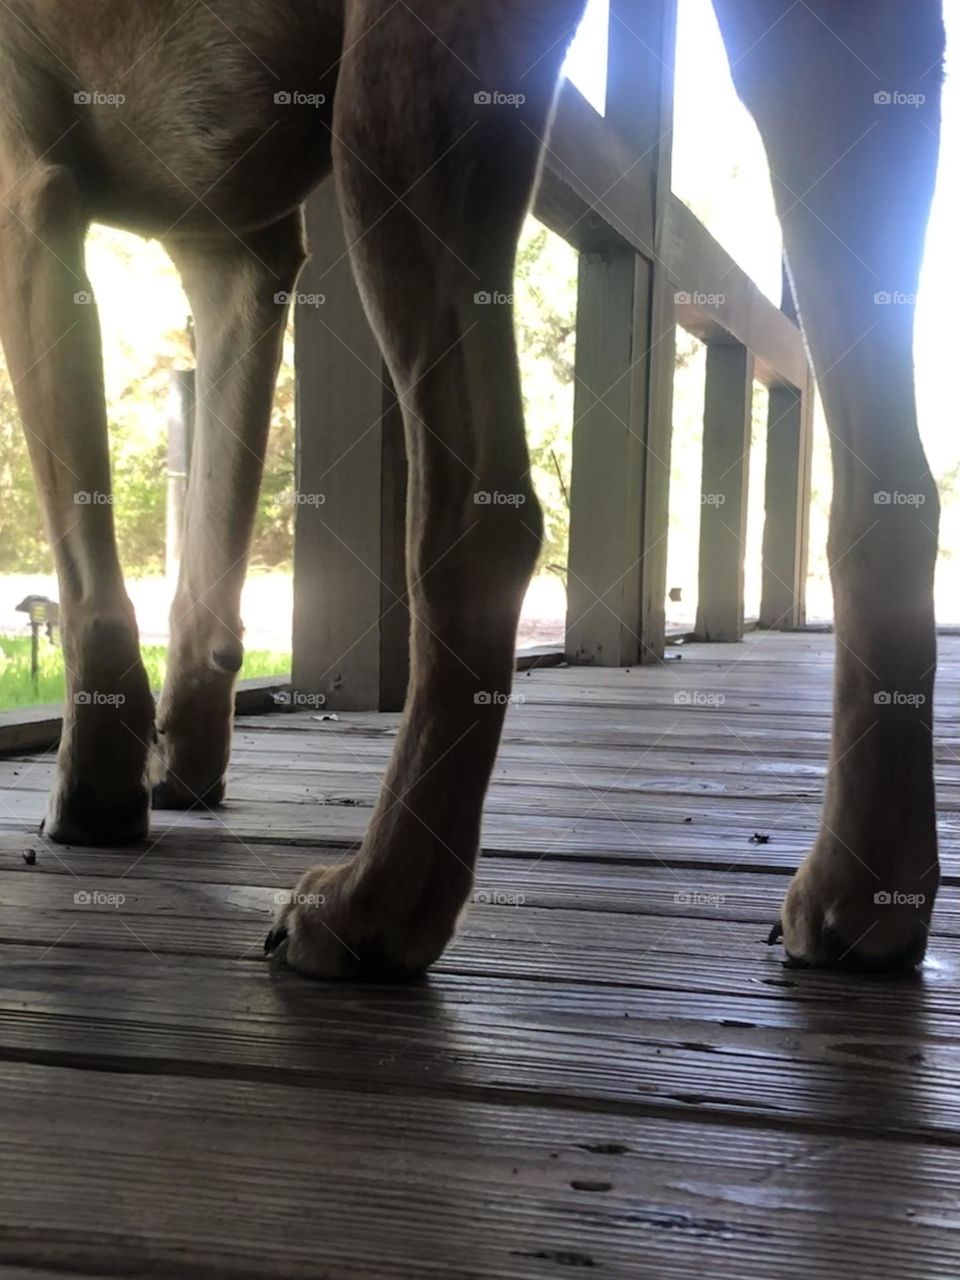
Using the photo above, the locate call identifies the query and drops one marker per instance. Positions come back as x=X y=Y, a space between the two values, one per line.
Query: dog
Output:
x=206 y=124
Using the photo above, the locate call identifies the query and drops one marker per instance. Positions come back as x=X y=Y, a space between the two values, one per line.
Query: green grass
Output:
x=17 y=688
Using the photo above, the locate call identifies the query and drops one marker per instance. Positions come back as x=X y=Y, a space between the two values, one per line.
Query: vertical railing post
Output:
x=727 y=429
x=625 y=366
x=786 y=530
x=350 y=623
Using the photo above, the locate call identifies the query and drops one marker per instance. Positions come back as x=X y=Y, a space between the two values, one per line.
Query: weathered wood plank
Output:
x=546 y=1191
x=804 y=1052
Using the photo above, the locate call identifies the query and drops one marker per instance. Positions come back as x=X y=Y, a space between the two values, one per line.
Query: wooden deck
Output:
x=609 y=1074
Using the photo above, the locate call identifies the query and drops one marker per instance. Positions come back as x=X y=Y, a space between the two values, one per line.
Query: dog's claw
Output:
x=275 y=940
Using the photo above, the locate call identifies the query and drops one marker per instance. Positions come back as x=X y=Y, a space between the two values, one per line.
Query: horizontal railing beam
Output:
x=719 y=303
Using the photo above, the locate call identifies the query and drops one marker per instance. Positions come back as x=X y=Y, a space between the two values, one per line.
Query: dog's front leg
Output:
x=848 y=105
x=51 y=336
x=239 y=291
x=435 y=173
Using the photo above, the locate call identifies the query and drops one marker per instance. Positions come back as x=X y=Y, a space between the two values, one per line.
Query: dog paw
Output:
x=78 y=816
x=338 y=925
x=841 y=914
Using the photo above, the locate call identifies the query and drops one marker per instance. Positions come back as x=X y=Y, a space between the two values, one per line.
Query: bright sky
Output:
x=710 y=145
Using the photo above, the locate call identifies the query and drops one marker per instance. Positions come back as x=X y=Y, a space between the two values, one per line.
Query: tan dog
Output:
x=434 y=188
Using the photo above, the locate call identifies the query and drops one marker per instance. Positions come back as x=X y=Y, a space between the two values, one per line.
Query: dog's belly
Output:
x=197 y=115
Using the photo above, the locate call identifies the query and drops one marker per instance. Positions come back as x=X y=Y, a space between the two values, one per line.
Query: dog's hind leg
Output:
x=439 y=121
x=51 y=337
x=846 y=95
x=238 y=289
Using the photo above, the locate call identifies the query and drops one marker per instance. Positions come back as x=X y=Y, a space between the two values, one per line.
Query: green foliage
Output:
x=23 y=544
x=273 y=531
x=546 y=317
x=17 y=688
x=138 y=389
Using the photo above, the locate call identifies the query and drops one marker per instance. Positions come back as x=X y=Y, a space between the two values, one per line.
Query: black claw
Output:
x=275 y=939
x=776 y=933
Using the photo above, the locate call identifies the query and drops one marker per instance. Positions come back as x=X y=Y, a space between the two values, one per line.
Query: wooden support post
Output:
x=350 y=623
x=604 y=579
x=727 y=421
x=786 y=530
x=625 y=368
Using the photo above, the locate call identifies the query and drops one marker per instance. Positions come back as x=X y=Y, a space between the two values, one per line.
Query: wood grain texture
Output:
x=609 y=1073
